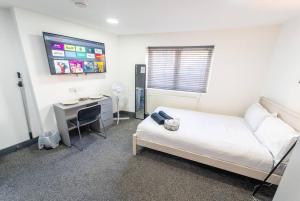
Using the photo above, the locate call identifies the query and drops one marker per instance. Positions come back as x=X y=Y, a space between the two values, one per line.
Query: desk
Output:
x=65 y=113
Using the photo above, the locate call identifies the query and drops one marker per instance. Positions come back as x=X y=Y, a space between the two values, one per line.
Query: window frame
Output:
x=172 y=91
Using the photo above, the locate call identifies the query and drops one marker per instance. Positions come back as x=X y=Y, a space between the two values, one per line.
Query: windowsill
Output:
x=154 y=91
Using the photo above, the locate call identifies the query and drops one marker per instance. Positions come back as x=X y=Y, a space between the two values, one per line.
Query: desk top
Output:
x=80 y=103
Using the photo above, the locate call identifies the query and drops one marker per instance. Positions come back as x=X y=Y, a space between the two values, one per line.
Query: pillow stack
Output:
x=255 y=115
x=276 y=135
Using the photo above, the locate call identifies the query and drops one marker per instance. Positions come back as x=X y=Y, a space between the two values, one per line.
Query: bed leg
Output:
x=134 y=144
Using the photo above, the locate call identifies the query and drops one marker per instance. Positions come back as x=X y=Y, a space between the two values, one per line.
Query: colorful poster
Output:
x=61 y=66
x=89 y=67
x=90 y=50
x=57 y=46
x=70 y=47
x=80 y=49
x=98 y=51
x=70 y=54
x=81 y=55
x=90 y=56
x=99 y=65
x=76 y=66
x=58 y=53
x=99 y=57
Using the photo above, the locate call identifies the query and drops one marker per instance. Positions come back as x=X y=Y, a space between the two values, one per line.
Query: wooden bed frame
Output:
x=290 y=117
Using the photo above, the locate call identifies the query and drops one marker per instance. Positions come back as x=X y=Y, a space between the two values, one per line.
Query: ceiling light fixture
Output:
x=80 y=3
x=112 y=21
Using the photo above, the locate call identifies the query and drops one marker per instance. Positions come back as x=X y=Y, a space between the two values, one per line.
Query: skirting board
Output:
x=231 y=167
x=125 y=114
x=19 y=146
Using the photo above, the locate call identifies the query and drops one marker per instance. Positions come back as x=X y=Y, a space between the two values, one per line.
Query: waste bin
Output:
x=49 y=140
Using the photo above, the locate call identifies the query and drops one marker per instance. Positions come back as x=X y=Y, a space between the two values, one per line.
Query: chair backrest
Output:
x=89 y=113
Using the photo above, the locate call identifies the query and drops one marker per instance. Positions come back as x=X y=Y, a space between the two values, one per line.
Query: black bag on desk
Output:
x=157 y=118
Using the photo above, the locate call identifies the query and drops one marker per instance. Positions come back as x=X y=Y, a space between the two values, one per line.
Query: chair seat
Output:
x=88 y=121
x=84 y=122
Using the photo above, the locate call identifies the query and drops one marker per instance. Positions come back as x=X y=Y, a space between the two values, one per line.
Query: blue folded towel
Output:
x=164 y=115
x=157 y=118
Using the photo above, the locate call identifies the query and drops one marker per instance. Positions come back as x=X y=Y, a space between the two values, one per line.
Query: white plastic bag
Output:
x=49 y=139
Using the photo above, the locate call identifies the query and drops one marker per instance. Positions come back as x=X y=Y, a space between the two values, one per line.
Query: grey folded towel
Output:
x=164 y=115
x=157 y=118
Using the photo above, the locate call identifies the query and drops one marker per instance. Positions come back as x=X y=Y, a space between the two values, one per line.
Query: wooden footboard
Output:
x=231 y=167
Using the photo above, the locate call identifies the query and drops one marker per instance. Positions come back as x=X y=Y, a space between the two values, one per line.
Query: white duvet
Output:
x=227 y=138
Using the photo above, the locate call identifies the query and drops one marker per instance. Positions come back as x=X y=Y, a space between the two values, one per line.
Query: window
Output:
x=179 y=68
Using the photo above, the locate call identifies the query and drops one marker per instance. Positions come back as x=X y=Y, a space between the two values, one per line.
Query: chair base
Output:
x=80 y=148
x=91 y=131
x=102 y=134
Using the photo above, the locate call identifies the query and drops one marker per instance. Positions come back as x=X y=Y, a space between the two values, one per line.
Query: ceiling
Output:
x=155 y=16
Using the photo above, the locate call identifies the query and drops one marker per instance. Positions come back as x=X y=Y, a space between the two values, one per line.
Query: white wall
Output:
x=288 y=189
x=12 y=118
x=239 y=66
x=240 y=60
x=49 y=89
x=284 y=73
x=282 y=86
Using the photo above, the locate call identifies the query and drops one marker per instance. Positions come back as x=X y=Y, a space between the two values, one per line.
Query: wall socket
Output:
x=73 y=90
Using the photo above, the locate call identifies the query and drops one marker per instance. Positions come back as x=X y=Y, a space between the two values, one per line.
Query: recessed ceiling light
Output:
x=80 y=3
x=112 y=21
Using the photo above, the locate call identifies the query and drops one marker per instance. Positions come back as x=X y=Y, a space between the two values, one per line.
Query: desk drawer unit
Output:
x=107 y=112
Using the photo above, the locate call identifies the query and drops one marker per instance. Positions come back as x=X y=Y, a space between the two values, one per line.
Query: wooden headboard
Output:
x=290 y=117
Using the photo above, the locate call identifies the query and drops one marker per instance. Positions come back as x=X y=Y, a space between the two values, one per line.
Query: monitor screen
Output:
x=68 y=55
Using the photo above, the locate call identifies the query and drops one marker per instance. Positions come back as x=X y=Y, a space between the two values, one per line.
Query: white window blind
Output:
x=179 y=68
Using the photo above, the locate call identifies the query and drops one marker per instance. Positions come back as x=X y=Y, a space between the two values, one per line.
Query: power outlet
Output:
x=73 y=90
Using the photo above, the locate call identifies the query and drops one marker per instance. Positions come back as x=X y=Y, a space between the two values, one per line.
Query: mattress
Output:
x=222 y=137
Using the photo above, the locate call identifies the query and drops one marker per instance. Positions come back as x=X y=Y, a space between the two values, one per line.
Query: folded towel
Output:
x=157 y=118
x=164 y=115
x=172 y=124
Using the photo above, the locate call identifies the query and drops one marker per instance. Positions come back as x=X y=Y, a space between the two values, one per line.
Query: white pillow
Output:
x=277 y=136
x=255 y=114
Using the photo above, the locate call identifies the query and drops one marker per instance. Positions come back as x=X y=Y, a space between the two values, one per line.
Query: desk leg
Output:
x=62 y=125
x=66 y=138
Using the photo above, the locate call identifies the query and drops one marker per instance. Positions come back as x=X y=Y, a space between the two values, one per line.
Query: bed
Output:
x=225 y=142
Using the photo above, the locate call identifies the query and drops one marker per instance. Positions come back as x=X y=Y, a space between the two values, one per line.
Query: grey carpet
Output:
x=106 y=170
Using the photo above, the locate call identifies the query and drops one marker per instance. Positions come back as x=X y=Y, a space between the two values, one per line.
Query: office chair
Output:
x=87 y=116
